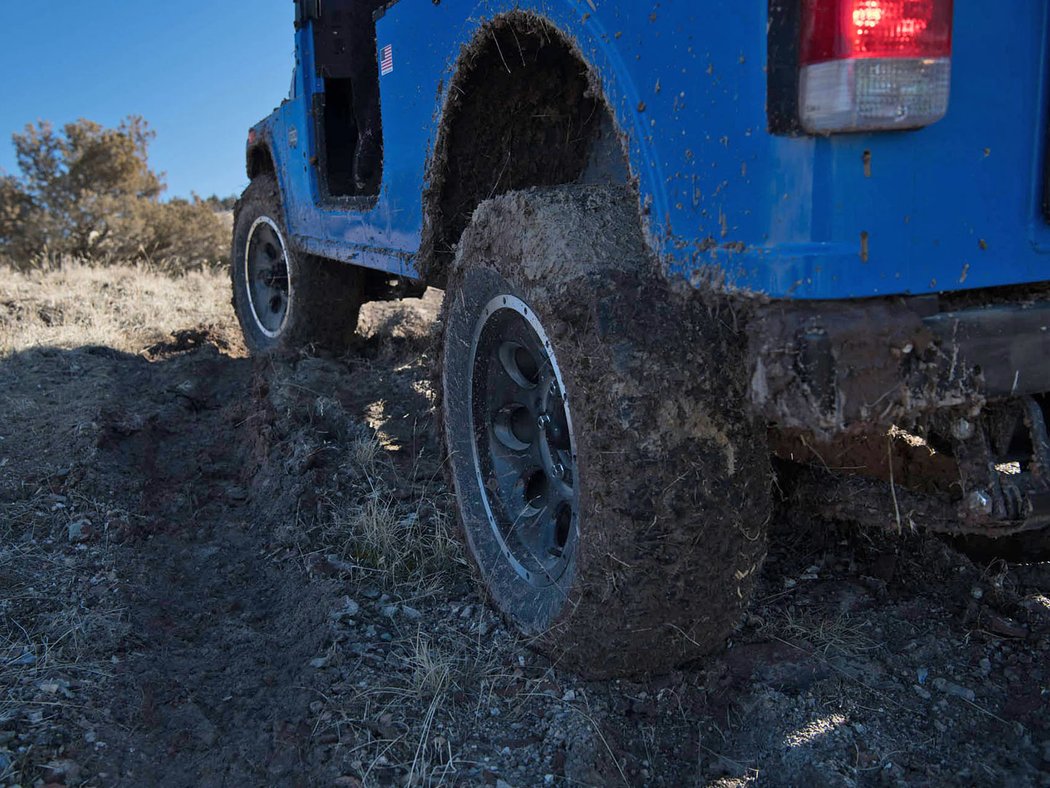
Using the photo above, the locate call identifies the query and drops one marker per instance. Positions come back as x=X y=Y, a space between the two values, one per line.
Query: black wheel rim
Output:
x=266 y=276
x=524 y=450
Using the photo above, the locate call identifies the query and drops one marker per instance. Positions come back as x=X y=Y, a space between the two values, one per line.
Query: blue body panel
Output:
x=950 y=207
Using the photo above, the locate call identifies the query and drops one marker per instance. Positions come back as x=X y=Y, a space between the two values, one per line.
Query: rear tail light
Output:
x=870 y=65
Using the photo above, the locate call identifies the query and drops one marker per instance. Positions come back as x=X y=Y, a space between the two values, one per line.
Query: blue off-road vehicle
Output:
x=678 y=240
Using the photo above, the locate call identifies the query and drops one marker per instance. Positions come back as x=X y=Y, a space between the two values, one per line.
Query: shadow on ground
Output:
x=221 y=572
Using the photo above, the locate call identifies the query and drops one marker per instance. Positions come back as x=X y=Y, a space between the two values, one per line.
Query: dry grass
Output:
x=829 y=633
x=408 y=541
x=52 y=640
x=123 y=307
x=365 y=453
x=408 y=719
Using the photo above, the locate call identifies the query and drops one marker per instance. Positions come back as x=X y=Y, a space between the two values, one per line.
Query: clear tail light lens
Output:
x=870 y=65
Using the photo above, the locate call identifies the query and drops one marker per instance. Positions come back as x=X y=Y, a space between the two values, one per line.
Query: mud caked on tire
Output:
x=284 y=299
x=613 y=489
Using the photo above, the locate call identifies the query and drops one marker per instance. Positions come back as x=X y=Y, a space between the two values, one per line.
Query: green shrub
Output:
x=87 y=192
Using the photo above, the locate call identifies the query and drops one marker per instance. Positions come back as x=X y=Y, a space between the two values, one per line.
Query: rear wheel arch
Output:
x=492 y=140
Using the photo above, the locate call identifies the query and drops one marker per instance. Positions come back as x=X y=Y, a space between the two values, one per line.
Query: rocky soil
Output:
x=218 y=571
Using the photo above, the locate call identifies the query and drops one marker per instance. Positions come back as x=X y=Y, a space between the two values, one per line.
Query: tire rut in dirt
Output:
x=214 y=684
x=674 y=473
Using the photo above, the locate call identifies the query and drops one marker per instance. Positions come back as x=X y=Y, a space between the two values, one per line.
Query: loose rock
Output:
x=79 y=531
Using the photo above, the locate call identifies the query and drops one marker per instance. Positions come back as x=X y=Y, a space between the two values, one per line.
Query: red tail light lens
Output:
x=848 y=29
x=874 y=64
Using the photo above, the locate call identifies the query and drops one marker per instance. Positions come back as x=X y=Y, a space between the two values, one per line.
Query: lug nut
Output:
x=544 y=421
x=558 y=471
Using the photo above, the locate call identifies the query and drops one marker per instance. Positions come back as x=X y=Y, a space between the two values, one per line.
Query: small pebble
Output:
x=349 y=609
x=79 y=531
x=950 y=688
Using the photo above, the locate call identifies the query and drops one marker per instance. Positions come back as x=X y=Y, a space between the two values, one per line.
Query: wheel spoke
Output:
x=561 y=530
x=276 y=278
x=561 y=492
x=518 y=524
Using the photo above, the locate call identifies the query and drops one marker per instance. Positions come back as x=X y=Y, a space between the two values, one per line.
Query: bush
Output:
x=87 y=192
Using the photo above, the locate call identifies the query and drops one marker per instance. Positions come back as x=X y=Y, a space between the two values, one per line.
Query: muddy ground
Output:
x=217 y=571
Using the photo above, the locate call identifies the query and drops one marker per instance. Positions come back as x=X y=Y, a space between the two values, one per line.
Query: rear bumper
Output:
x=830 y=368
x=975 y=377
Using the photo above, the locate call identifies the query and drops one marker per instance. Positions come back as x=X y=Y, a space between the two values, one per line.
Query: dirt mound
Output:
x=216 y=571
x=188 y=339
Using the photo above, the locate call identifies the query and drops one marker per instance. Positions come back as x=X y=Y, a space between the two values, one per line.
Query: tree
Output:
x=88 y=192
x=219 y=204
x=17 y=218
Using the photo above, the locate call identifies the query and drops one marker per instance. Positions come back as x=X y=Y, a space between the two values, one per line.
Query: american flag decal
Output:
x=386 y=61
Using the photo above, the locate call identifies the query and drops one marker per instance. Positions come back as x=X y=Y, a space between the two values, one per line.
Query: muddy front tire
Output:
x=286 y=300
x=612 y=488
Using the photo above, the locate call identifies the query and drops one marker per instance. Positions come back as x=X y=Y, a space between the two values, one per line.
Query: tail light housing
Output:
x=872 y=65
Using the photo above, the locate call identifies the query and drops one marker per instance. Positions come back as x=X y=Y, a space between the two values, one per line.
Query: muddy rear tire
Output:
x=284 y=299
x=631 y=543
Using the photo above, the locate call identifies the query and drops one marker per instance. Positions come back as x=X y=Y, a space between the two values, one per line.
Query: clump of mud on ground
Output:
x=216 y=571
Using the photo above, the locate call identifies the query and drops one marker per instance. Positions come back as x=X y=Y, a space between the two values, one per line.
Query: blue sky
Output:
x=200 y=71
